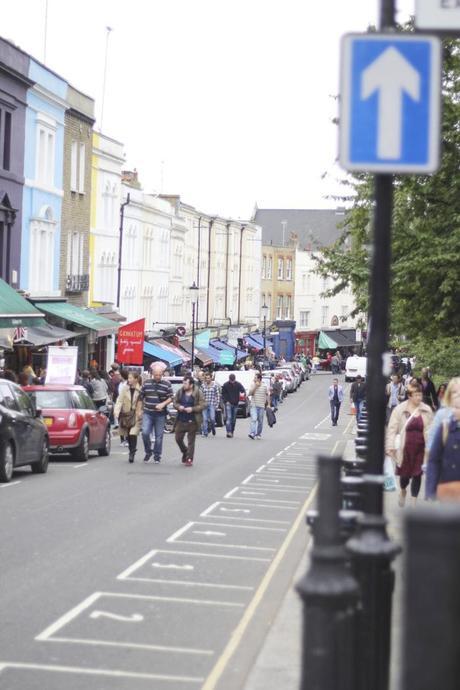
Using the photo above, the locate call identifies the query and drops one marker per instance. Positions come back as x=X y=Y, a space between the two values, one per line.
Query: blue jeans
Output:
x=152 y=421
x=275 y=401
x=230 y=411
x=209 y=419
x=257 y=420
x=358 y=405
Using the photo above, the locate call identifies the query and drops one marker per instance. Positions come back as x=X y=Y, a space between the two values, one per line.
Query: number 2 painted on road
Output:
x=134 y=618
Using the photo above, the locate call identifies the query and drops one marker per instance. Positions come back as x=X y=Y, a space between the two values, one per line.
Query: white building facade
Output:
x=313 y=311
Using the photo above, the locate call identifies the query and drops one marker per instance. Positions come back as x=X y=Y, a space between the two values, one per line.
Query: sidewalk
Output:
x=278 y=664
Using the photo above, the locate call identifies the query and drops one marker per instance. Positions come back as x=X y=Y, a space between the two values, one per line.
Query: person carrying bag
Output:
x=443 y=471
x=128 y=409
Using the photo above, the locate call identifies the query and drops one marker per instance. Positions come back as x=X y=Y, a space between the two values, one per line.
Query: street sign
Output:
x=390 y=103
x=442 y=15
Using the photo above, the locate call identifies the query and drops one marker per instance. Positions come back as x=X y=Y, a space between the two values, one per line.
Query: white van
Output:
x=355 y=366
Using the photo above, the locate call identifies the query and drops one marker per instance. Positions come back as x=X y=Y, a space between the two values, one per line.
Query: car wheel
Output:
x=41 y=467
x=7 y=463
x=82 y=452
x=105 y=450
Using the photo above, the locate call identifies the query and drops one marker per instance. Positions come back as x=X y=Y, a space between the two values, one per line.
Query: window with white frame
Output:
x=279 y=307
x=263 y=299
x=288 y=269
x=264 y=267
x=75 y=254
x=280 y=268
x=304 y=319
x=269 y=305
x=45 y=154
x=42 y=253
x=287 y=306
x=129 y=249
x=81 y=167
x=324 y=314
x=74 y=166
x=269 y=267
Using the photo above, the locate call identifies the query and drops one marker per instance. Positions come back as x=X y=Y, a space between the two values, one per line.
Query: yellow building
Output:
x=277 y=285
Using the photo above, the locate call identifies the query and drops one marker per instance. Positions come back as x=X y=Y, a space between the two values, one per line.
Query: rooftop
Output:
x=312 y=228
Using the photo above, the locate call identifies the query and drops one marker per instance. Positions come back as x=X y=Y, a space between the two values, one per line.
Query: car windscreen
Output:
x=51 y=400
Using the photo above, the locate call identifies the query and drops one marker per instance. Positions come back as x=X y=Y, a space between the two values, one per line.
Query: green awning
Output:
x=325 y=342
x=15 y=310
x=81 y=317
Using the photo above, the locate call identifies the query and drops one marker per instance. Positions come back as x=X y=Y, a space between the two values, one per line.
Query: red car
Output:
x=74 y=424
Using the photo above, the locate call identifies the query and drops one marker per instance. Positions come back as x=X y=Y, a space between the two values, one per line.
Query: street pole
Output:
x=371 y=550
x=120 y=245
x=265 y=334
x=193 y=334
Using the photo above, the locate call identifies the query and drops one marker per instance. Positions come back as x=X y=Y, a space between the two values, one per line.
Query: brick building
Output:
x=76 y=203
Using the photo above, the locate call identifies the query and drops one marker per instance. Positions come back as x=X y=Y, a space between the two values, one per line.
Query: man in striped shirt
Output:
x=259 y=401
x=156 y=395
x=211 y=394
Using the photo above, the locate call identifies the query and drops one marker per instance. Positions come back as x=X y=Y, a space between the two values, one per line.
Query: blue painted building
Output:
x=43 y=185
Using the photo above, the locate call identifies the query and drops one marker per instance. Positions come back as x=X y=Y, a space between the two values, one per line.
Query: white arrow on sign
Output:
x=391 y=75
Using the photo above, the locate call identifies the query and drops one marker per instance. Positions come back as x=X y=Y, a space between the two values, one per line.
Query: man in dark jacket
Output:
x=231 y=391
x=358 y=395
x=189 y=403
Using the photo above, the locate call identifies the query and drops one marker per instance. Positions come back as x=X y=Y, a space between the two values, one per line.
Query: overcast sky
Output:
x=225 y=102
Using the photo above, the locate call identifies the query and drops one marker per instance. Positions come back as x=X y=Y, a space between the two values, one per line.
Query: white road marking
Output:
x=134 y=618
x=251 y=527
x=234 y=510
x=210 y=533
x=315 y=437
x=180 y=531
x=82 y=464
x=6 y=486
x=51 y=668
x=280 y=453
x=173 y=566
x=261 y=468
x=132 y=645
x=192 y=583
x=86 y=603
x=231 y=492
x=248 y=479
x=328 y=416
x=211 y=507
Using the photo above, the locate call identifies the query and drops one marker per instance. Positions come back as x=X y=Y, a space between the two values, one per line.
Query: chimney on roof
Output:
x=130 y=177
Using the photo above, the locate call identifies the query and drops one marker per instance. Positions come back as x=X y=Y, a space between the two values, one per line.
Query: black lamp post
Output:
x=264 y=310
x=120 y=245
x=193 y=294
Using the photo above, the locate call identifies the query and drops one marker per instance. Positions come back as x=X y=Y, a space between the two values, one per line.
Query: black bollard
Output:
x=354 y=467
x=347 y=518
x=352 y=493
x=372 y=553
x=361 y=451
x=330 y=595
x=431 y=648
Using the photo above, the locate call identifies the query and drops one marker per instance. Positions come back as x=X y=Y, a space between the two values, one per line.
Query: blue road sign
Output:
x=390 y=103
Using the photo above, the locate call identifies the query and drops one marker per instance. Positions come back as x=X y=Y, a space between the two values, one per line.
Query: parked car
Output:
x=246 y=378
x=355 y=366
x=74 y=424
x=290 y=378
x=23 y=435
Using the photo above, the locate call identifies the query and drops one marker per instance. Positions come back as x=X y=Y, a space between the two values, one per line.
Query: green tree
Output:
x=425 y=287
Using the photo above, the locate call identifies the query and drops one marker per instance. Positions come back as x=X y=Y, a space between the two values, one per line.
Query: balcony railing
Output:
x=77 y=283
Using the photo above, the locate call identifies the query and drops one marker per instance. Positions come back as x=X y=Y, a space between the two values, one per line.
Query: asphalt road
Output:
x=126 y=577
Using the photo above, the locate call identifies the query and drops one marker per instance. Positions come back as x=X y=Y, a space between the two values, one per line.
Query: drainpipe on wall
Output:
x=198 y=271
x=226 y=273
x=211 y=223
x=241 y=272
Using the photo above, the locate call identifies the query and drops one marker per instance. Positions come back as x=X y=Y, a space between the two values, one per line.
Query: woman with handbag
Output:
x=443 y=473
x=406 y=440
x=128 y=409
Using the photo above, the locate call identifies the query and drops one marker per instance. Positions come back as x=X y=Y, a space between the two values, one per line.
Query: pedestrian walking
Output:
x=429 y=392
x=156 y=394
x=407 y=434
x=335 y=400
x=396 y=394
x=259 y=401
x=440 y=393
x=358 y=395
x=128 y=411
x=211 y=394
x=443 y=473
x=276 y=392
x=100 y=389
x=445 y=412
x=189 y=402
x=86 y=382
x=231 y=392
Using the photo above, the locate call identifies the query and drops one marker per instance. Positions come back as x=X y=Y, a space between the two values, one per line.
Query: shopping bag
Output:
x=352 y=409
x=271 y=417
x=389 y=473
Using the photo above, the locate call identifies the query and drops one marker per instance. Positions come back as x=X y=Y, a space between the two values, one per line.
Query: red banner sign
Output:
x=131 y=343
